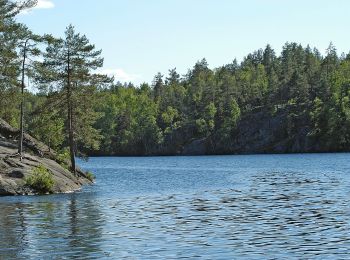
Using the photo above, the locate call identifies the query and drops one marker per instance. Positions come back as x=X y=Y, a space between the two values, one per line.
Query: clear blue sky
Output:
x=141 y=37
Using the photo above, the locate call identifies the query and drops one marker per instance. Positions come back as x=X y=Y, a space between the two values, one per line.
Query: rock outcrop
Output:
x=13 y=171
x=286 y=130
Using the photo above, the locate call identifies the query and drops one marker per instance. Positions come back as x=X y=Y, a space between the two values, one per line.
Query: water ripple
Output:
x=285 y=213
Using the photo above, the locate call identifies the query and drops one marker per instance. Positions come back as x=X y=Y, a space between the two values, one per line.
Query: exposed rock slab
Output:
x=13 y=171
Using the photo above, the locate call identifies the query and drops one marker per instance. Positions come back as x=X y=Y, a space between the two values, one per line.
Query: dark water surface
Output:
x=220 y=207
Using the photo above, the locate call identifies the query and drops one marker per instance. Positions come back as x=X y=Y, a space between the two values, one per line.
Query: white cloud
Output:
x=120 y=75
x=42 y=4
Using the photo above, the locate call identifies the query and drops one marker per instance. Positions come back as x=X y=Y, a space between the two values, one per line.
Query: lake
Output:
x=205 y=207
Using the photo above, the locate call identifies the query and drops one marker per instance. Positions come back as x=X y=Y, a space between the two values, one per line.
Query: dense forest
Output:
x=295 y=101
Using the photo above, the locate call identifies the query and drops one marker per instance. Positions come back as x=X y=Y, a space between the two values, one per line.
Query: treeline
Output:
x=163 y=118
x=90 y=114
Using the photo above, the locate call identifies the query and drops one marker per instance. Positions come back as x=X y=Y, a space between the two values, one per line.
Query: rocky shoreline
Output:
x=13 y=171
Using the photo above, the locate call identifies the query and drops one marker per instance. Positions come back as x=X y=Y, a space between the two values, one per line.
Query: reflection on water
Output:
x=224 y=207
x=51 y=229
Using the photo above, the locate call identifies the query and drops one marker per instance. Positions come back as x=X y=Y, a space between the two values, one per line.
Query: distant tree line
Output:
x=89 y=113
x=163 y=117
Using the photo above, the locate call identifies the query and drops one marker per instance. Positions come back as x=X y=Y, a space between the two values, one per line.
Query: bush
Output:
x=90 y=176
x=40 y=180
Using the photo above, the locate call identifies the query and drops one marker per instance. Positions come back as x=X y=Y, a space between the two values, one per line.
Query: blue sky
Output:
x=142 y=37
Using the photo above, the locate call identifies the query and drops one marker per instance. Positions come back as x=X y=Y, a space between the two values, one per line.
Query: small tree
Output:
x=27 y=48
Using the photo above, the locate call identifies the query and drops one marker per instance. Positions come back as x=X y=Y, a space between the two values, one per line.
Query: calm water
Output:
x=221 y=207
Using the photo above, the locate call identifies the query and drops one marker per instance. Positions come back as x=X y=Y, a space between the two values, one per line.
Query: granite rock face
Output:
x=13 y=171
x=261 y=132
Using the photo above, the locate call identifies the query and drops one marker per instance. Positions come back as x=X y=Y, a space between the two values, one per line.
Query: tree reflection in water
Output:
x=54 y=225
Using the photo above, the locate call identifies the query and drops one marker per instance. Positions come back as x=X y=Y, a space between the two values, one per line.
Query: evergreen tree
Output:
x=11 y=33
x=27 y=50
x=158 y=86
x=67 y=70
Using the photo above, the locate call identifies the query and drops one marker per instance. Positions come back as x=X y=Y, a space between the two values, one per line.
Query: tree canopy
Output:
x=76 y=108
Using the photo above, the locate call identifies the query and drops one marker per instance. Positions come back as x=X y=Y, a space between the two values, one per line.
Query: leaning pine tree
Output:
x=66 y=75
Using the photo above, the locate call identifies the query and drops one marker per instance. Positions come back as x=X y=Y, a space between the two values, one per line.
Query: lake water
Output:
x=217 y=207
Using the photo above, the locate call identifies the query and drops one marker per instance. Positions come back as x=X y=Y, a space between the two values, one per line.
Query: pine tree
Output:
x=67 y=71
x=11 y=33
x=27 y=49
x=158 y=86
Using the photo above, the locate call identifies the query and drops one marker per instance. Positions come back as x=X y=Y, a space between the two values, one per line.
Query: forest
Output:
x=294 y=101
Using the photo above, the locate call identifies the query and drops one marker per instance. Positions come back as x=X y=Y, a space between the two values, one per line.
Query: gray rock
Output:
x=16 y=174
x=285 y=131
x=13 y=171
x=196 y=147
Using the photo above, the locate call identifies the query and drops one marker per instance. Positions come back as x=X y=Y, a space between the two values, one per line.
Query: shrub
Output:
x=40 y=180
x=90 y=176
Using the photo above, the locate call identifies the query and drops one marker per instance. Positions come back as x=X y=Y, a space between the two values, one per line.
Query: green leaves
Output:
x=49 y=128
x=41 y=180
x=66 y=74
x=82 y=109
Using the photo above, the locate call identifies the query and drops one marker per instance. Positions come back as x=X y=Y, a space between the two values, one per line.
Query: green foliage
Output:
x=41 y=180
x=48 y=128
x=91 y=177
x=83 y=110
x=67 y=76
x=169 y=118
x=230 y=121
x=235 y=113
x=124 y=119
x=316 y=115
x=210 y=112
x=201 y=125
x=63 y=158
x=131 y=122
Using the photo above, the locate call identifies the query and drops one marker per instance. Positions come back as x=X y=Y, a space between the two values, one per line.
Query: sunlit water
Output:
x=220 y=207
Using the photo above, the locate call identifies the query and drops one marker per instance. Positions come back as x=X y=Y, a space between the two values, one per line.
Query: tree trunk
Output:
x=21 y=134
x=70 y=119
x=71 y=134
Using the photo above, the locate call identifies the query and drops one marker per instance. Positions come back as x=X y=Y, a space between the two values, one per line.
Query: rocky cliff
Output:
x=14 y=171
x=286 y=130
